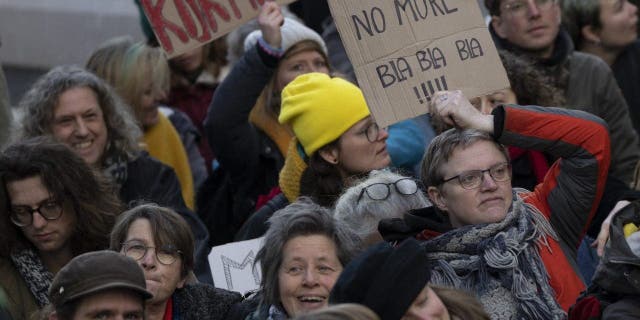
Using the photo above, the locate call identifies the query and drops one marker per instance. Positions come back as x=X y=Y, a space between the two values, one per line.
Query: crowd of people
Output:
x=117 y=178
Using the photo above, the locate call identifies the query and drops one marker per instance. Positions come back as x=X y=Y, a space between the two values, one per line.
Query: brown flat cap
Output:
x=97 y=271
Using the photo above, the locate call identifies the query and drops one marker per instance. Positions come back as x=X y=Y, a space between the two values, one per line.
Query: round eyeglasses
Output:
x=473 y=178
x=372 y=131
x=166 y=254
x=381 y=191
x=22 y=216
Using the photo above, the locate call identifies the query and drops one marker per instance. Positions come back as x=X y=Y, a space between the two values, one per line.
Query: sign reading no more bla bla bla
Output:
x=403 y=51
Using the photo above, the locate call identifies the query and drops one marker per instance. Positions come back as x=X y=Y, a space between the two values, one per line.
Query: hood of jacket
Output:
x=619 y=269
x=422 y=224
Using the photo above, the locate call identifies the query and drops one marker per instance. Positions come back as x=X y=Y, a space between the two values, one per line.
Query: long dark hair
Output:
x=68 y=178
x=321 y=180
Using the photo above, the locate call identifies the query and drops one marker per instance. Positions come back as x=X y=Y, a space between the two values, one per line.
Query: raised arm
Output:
x=571 y=190
x=232 y=138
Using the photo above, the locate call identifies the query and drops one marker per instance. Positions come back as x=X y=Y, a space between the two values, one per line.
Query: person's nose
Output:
x=81 y=128
x=488 y=183
x=486 y=106
x=383 y=134
x=148 y=261
x=318 y=68
x=161 y=96
x=532 y=9
x=310 y=278
x=38 y=221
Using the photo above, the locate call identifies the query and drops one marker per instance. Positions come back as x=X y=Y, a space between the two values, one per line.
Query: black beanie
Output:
x=385 y=279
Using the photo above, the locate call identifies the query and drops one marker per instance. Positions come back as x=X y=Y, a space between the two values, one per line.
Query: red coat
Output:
x=571 y=190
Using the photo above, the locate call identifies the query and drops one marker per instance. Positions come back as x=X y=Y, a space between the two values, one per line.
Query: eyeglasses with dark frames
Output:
x=473 y=178
x=381 y=191
x=166 y=255
x=372 y=131
x=22 y=216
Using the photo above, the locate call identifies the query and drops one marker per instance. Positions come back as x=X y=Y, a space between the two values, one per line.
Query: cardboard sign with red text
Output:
x=403 y=51
x=183 y=25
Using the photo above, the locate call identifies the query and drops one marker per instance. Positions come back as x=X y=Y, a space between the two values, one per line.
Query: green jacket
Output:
x=20 y=302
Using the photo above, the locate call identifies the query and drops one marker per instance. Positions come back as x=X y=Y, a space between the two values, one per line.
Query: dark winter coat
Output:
x=203 y=301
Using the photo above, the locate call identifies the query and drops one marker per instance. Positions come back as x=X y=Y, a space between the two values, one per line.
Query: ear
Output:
x=437 y=198
x=181 y=283
x=590 y=34
x=330 y=154
x=499 y=26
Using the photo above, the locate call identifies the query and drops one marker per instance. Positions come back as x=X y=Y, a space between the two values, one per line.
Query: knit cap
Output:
x=320 y=109
x=292 y=32
x=385 y=279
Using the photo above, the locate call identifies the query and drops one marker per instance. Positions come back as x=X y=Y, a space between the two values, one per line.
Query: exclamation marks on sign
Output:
x=428 y=89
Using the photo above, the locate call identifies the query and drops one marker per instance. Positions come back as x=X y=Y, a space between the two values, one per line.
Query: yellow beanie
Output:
x=320 y=109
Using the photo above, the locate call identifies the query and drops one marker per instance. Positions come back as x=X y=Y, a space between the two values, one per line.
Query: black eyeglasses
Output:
x=372 y=132
x=22 y=216
x=474 y=178
x=166 y=254
x=381 y=191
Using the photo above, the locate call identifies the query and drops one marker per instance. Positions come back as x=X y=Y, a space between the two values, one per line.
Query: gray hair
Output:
x=301 y=218
x=443 y=146
x=363 y=216
x=39 y=102
x=577 y=14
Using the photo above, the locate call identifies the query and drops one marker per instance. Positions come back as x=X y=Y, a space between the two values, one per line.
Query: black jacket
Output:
x=203 y=301
x=250 y=161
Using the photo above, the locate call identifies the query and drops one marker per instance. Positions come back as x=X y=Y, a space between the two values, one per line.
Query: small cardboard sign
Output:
x=232 y=265
x=403 y=51
x=183 y=25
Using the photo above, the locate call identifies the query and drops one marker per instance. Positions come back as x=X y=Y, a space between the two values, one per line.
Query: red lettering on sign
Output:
x=210 y=7
x=189 y=24
x=161 y=25
x=256 y=5
x=236 y=10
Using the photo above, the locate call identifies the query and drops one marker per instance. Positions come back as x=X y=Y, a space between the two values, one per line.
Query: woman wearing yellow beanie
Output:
x=242 y=122
x=338 y=137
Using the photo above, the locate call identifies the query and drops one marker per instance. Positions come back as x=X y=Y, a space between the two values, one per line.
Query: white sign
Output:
x=232 y=265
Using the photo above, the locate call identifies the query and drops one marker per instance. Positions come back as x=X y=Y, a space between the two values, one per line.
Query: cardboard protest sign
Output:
x=182 y=25
x=232 y=265
x=403 y=51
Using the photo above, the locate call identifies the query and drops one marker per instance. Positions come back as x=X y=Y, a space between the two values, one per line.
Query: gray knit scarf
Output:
x=34 y=274
x=115 y=169
x=500 y=263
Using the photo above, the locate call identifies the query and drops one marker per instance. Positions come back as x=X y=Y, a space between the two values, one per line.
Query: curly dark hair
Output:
x=68 y=178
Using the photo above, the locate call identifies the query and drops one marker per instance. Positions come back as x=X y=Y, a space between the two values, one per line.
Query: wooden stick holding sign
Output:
x=403 y=51
x=183 y=25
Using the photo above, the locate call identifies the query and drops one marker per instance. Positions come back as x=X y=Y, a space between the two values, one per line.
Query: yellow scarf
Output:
x=268 y=123
x=163 y=143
